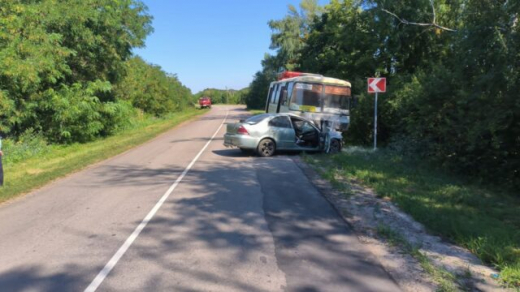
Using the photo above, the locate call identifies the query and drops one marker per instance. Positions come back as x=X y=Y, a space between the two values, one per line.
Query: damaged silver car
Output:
x=268 y=133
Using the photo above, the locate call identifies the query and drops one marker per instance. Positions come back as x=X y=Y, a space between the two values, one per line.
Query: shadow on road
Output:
x=35 y=278
x=223 y=223
x=233 y=152
x=197 y=139
x=219 y=228
x=230 y=117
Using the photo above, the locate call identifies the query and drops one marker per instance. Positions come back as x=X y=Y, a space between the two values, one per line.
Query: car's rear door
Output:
x=280 y=128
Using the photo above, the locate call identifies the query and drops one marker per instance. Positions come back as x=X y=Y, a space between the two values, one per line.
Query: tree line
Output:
x=68 y=73
x=452 y=69
x=223 y=96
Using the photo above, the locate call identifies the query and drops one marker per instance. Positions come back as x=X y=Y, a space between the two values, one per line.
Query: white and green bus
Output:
x=312 y=96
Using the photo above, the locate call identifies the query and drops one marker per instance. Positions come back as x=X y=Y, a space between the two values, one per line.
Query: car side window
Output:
x=306 y=127
x=280 y=122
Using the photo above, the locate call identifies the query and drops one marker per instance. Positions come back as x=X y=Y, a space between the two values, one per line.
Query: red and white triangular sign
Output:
x=376 y=85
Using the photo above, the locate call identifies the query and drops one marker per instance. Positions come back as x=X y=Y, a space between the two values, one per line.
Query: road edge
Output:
x=402 y=268
x=50 y=183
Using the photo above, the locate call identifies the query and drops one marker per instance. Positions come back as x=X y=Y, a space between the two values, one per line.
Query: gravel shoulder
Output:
x=367 y=214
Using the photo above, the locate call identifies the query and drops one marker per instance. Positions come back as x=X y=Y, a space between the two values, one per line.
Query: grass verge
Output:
x=22 y=175
x=447 y=281
x=255 y=112
x=483 y=219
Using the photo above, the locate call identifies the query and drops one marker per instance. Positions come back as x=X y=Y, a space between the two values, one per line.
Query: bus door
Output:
x=280 y=95
x=285 y=97
x=268 y=101
x=276 y=98
x=273 y=98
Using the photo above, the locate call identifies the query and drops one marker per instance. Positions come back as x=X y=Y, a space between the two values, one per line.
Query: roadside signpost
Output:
x=376 y=85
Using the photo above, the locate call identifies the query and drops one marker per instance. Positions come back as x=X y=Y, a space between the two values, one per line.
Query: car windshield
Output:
x=256 y=119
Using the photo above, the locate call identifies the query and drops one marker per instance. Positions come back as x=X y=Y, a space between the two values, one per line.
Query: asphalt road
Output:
x=227 y=222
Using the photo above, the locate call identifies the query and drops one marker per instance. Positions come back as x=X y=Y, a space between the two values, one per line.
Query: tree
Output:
x=287 y=39
x=57 y=57
x=467 y=107
x=230 y=96
x=451 y=67
x=256 y=98
x=289 y=34
x=150 y=89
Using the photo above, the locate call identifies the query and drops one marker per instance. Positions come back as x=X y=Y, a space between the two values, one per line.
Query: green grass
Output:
x=255 y=112
x=447 y=281
x=485 y=220
x=33 y=164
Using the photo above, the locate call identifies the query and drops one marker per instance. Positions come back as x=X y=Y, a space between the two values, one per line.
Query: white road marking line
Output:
x=122 y=250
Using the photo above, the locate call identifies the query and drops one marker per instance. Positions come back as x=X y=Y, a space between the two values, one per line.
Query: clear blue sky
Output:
x=211 y=43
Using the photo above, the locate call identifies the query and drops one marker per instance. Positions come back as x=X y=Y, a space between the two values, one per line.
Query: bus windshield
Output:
x=320 y=98
x=336 y=98
x=306 y=97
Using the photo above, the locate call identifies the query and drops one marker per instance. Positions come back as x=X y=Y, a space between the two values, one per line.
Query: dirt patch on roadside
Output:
x=367 y=213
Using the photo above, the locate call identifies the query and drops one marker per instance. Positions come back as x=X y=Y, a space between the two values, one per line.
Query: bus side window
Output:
x=273 y=94
x=271 y=89
x=269 y=98
x=283 y=96
x=277 y=93
x=289 y=93
x=280 y=95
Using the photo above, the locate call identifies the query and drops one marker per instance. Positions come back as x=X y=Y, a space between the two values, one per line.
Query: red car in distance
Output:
x=205 y=102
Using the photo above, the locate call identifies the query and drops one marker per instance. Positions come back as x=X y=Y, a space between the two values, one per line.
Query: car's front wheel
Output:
x=335 y=146
x=266 y=147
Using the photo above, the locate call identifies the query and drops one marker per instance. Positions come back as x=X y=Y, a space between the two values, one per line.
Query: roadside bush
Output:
x=59 y=61
x=118 y=116
x=229 y=96
x=258 y=89
x=451 y=94
x=73 y=113
x=464 y=125
x=149 y=88
x=29 y=144
x=360 y=122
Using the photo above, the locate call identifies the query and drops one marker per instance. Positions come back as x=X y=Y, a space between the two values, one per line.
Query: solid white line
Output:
x=122 y=250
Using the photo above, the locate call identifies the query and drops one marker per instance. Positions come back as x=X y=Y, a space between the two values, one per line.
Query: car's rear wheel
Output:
x=266 y=147
x=335 y=146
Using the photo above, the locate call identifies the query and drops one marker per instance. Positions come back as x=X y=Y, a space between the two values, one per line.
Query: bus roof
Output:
x=317 y=79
